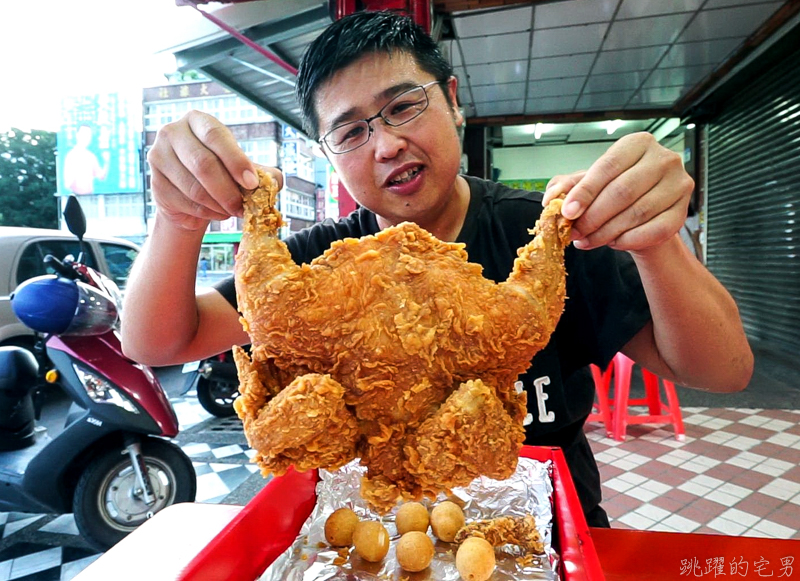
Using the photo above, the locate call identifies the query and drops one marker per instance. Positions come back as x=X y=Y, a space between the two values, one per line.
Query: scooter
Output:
x=216 y=383
x=107 y=458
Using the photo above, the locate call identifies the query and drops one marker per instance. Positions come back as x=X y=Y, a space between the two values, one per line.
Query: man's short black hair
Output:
x=353 y=36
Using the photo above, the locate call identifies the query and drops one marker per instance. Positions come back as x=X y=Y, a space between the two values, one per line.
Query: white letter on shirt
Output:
x=518 y=387
x=545 y=416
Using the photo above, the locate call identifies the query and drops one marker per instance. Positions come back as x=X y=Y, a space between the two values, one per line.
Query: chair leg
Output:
x=652 y=396
x=597 y=408
x=602 y=382
x=622 y=384
x=674 y=410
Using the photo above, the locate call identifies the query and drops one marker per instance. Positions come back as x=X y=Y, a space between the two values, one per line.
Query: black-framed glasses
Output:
x=405 y=107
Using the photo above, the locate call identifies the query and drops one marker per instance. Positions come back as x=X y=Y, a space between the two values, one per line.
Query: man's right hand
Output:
x=196 y=170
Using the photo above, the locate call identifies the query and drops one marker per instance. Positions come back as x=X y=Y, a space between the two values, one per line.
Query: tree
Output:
x=184 y=76
x=28 y=179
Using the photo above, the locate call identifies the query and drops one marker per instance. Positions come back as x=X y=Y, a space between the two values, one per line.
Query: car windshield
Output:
x=120 y=260
x=32 y=264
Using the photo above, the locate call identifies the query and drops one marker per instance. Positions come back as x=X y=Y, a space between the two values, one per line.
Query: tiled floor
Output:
x=736 y=473
x=40 y=547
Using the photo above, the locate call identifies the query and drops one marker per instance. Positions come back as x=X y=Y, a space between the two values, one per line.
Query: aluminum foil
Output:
x=528 y=491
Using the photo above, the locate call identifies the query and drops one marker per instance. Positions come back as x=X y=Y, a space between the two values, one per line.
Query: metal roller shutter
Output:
x=753 y=204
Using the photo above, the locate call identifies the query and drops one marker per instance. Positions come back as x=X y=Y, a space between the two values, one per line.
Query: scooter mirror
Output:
x=74 y=217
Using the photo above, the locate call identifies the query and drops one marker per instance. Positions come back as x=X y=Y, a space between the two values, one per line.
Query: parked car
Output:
x=22 y=251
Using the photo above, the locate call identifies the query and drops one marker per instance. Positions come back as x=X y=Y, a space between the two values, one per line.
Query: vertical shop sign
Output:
x=289 y=158
x=288 y=132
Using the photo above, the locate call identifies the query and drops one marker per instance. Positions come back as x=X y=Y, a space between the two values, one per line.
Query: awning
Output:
x=256 y=50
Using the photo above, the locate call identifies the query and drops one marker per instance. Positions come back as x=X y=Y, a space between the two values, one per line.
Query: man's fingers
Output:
x=195 y=171
x=217 y=161
x=199 y=168
x=184 y=183
x=621 y=156
x=219 y=139
x=174 y=201
x=559 y=185
x=625 y=192
x=200 y=175
x=635 y=194
x=184 y=211
x=274 y=172
x=653 y=232
x=646 y=216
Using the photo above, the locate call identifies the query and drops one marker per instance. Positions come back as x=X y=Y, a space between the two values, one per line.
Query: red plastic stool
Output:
x=614 y=413
x=659 y=412
x=601 y=410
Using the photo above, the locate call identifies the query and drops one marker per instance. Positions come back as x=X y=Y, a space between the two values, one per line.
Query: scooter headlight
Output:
x=101 y=391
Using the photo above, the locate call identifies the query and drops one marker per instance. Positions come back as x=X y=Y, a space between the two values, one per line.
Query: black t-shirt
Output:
x=605 y=307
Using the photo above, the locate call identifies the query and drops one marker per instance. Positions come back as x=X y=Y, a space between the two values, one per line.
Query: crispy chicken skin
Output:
x=505 y=530
x=393 y=349
x=469 y=434
x=319 y=401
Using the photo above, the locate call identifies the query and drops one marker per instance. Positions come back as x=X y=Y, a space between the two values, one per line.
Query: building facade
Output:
x=265 y=140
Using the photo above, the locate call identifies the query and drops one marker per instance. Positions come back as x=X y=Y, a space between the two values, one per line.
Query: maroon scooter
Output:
x=106 y=457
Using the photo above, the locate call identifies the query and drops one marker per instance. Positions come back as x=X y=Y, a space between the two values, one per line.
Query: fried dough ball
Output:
x=475 y=559
x=414 y=551
x=339 y=527
x=412 y=516
x=371 y=540
x=446 y=520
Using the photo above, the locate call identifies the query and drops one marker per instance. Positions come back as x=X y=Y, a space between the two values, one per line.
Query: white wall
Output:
x=545 y=161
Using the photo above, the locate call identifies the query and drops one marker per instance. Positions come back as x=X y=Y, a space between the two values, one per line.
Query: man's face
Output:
x=401 y=173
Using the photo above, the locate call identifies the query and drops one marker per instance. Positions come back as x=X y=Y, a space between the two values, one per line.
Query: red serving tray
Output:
x=271 y=521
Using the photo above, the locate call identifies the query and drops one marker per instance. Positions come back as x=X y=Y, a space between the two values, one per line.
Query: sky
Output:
x=55 y=48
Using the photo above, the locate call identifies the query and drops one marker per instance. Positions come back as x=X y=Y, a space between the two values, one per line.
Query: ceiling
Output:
x=561 y=63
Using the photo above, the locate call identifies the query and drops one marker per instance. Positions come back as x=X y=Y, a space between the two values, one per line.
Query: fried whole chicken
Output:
x=391 y=348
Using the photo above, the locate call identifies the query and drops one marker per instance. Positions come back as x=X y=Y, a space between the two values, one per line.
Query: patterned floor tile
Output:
x=770 y=529
x=40 y=561
x=760 y=504
x=62 y=525
x=19 y=521
x=736 y=473
x=681 y=524
x=71 y=569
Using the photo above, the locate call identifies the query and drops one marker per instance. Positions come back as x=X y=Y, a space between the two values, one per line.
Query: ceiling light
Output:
x=542 y=128
x=690 y=126
x=612 y=126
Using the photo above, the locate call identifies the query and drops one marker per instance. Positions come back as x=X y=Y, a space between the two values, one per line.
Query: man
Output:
x=377 y=93
x=81 y=166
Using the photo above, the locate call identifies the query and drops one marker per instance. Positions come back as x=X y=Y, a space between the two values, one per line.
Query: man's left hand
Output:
x=634 y=197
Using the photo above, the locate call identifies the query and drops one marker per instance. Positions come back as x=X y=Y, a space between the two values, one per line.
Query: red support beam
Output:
x=242 y=38
x=418 y=10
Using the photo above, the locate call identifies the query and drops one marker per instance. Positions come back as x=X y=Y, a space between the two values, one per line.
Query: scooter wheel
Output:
x=108 y=503
x=217 y=396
